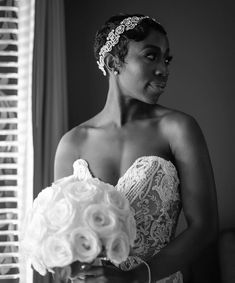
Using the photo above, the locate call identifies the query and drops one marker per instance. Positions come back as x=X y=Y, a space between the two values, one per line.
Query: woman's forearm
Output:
x=177 y=255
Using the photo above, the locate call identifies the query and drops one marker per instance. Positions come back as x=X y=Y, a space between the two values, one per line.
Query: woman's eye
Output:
x=168 y=60
x=151 y=56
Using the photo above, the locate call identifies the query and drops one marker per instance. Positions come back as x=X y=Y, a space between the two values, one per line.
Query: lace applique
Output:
x=151 y=186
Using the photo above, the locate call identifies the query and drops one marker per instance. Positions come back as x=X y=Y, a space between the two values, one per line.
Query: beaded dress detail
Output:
x=151 y=185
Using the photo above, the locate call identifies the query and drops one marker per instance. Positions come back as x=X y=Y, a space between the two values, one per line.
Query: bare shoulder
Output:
x=68 y=150
x=176 y=123
x=73 y=138
x=185 y=136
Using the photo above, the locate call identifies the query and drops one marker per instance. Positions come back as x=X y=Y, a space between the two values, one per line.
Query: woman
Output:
x=157 y=156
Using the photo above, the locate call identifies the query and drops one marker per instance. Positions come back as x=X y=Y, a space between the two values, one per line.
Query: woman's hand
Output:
x=102 y=274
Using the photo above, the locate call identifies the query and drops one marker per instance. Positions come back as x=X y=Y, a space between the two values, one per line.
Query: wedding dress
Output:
x=151 y=186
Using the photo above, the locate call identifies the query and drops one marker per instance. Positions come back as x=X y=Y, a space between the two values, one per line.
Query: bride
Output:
x=157 y=156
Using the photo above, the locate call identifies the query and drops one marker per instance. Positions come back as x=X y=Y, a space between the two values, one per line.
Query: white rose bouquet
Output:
x=74 y=220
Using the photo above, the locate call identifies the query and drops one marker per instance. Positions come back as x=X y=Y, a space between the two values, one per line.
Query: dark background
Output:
x=201 y=83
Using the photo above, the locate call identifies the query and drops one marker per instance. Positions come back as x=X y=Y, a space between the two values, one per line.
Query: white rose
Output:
x=31 y=251
x=100 y=219
x=86 y=245
x=130 y=224
x=118 y=247
x=43 y=199
x=56 y=252
x=81 y=191
x=118 y=202
x=35 y=228
x=63 y=182
x=102 y=185
x=60 y=215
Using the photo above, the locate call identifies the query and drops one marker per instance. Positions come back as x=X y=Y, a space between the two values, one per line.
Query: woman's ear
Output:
x=112 y=63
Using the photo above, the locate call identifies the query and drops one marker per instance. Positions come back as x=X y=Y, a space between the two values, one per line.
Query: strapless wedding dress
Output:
x=151 y=185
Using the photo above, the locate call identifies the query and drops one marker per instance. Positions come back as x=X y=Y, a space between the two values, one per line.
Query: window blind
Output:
x=16 y=147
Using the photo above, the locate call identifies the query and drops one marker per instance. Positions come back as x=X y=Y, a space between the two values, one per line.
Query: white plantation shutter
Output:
x=16 y=146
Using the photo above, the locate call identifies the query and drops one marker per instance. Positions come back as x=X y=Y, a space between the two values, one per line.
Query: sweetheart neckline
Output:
x=133 y=163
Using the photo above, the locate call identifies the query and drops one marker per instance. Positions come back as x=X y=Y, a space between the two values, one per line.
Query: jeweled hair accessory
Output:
x=114 y=35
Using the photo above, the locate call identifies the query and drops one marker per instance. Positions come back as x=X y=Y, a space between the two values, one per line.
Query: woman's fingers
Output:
x=99 y=279
x=77 y=280
x=97 y=274
x=90 y=279
x=94 y=271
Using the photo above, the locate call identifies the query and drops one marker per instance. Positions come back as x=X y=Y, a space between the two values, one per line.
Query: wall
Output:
x=201 y=83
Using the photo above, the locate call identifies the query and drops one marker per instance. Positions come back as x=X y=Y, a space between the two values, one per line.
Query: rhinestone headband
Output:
x=114 y=35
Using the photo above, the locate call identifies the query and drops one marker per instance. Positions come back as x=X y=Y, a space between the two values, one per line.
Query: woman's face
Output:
x=145 y=72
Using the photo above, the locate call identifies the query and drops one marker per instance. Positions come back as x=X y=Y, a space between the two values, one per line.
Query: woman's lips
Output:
x=158 y=84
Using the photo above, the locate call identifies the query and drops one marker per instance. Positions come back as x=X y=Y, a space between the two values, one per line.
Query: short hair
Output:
x=140 y=32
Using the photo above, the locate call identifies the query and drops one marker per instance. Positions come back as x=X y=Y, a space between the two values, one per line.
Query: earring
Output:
x=115 y=72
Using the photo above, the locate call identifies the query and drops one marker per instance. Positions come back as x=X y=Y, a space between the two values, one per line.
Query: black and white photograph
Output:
x=117 y=141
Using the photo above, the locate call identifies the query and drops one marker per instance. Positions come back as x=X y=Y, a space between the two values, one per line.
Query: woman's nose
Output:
x=161 y=70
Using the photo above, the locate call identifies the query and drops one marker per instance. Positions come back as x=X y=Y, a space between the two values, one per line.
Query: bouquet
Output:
x=78 y=220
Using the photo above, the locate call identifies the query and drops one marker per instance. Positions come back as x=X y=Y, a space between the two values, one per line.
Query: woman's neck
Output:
x=120 y=109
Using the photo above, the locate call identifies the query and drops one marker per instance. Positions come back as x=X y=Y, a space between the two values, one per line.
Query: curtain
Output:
x=16 y=143
x=50 y=118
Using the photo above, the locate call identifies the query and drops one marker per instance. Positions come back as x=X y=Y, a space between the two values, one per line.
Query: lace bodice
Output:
x=151 y=186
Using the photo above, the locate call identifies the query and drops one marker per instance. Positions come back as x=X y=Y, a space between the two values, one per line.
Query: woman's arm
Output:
x=198 y=199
